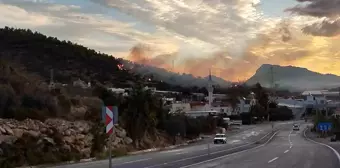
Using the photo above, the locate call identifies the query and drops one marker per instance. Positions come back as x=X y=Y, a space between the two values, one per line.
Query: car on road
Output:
x=220 y=139
x=296 y=127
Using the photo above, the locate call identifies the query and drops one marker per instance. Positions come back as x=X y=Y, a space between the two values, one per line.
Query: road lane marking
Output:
x=132 y=161
x=273 y=159
x=290 y=147
x=179 y=153
x=290 y=141
x=335 y=152
x=286 y=151
x=221 y=157
x=172 y=151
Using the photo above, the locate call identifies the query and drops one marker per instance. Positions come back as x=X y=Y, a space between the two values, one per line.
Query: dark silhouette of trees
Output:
x=40 y=54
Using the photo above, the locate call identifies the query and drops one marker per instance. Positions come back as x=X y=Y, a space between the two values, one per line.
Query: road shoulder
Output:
x=312 y=136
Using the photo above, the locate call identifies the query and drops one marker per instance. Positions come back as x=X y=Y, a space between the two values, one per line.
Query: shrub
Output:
x=99 y=139
x=175 y=125
x=193 y=127
x=24 y=113
x=281 y=113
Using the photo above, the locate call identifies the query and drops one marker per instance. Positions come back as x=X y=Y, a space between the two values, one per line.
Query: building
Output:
x=179 y=107
x=82 y=84
x=311 y=100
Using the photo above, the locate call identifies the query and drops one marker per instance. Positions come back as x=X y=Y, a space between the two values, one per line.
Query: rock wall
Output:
x=70 y=135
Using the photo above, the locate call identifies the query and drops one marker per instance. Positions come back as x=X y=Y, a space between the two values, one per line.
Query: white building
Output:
x=316 y=99
x=179 y=107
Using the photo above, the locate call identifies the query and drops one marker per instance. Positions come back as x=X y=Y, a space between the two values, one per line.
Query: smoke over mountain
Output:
x=309 y=38
x=277 y=46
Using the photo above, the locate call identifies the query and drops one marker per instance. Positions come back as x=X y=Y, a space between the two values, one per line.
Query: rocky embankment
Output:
x=24 y=139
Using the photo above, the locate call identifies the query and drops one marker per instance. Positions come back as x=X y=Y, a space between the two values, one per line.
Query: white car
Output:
x=220 y=138
x=296 y=127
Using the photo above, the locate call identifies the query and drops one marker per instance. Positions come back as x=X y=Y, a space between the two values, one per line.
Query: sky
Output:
x=232 y=37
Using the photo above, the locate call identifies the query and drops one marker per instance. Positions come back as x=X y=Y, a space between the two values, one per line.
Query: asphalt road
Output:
x=187 y=155
x=288 y=149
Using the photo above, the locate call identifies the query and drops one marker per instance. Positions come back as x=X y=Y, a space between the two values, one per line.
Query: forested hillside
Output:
x=40 y=54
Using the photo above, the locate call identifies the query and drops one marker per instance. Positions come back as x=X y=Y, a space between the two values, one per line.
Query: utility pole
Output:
x=271 y=90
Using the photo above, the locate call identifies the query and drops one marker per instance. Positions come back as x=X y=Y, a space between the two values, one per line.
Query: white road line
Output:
x=221 y=157
x=273 y=159
x=335 y=152
x=290 y=147
x=179 y=153
x=290 y=141
x=132 y=161
x=172 y=151
x=286 y=151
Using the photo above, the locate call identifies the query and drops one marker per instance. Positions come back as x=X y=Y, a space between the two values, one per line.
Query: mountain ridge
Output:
x=185 y=80
x=293 y=78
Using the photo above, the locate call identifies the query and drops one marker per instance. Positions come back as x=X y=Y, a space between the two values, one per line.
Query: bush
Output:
x=24 y=113
x=281 y=114
x=99 y=139
x=193 y=127
x=175 y=125
x=208 y=124
x=119 y=152
x=7 y=100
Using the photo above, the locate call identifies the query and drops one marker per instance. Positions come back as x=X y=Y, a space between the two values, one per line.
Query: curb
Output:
x=323 y=144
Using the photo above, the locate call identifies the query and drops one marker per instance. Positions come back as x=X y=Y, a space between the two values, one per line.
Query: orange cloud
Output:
x=283 y=45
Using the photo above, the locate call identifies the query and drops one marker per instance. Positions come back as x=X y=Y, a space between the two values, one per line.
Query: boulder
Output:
x=18 y=132
x=121 y=133
x=68 y=140
x=128 y=140
x=34 y=134
x=8 y=130
x=49 y=140
x=2 y=130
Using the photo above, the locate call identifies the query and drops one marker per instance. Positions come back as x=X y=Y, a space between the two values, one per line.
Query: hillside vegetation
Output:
x=39 y=53
x=26 y=59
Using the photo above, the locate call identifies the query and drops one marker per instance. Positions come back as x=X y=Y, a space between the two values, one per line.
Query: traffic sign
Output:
x=110 y=117
x=325 y=126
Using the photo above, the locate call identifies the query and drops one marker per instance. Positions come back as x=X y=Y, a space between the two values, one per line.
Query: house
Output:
x=179 y=107
x=82 y=84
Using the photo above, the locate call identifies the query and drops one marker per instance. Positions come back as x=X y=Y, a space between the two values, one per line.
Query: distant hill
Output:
x=185 y=80
x=293 y=78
